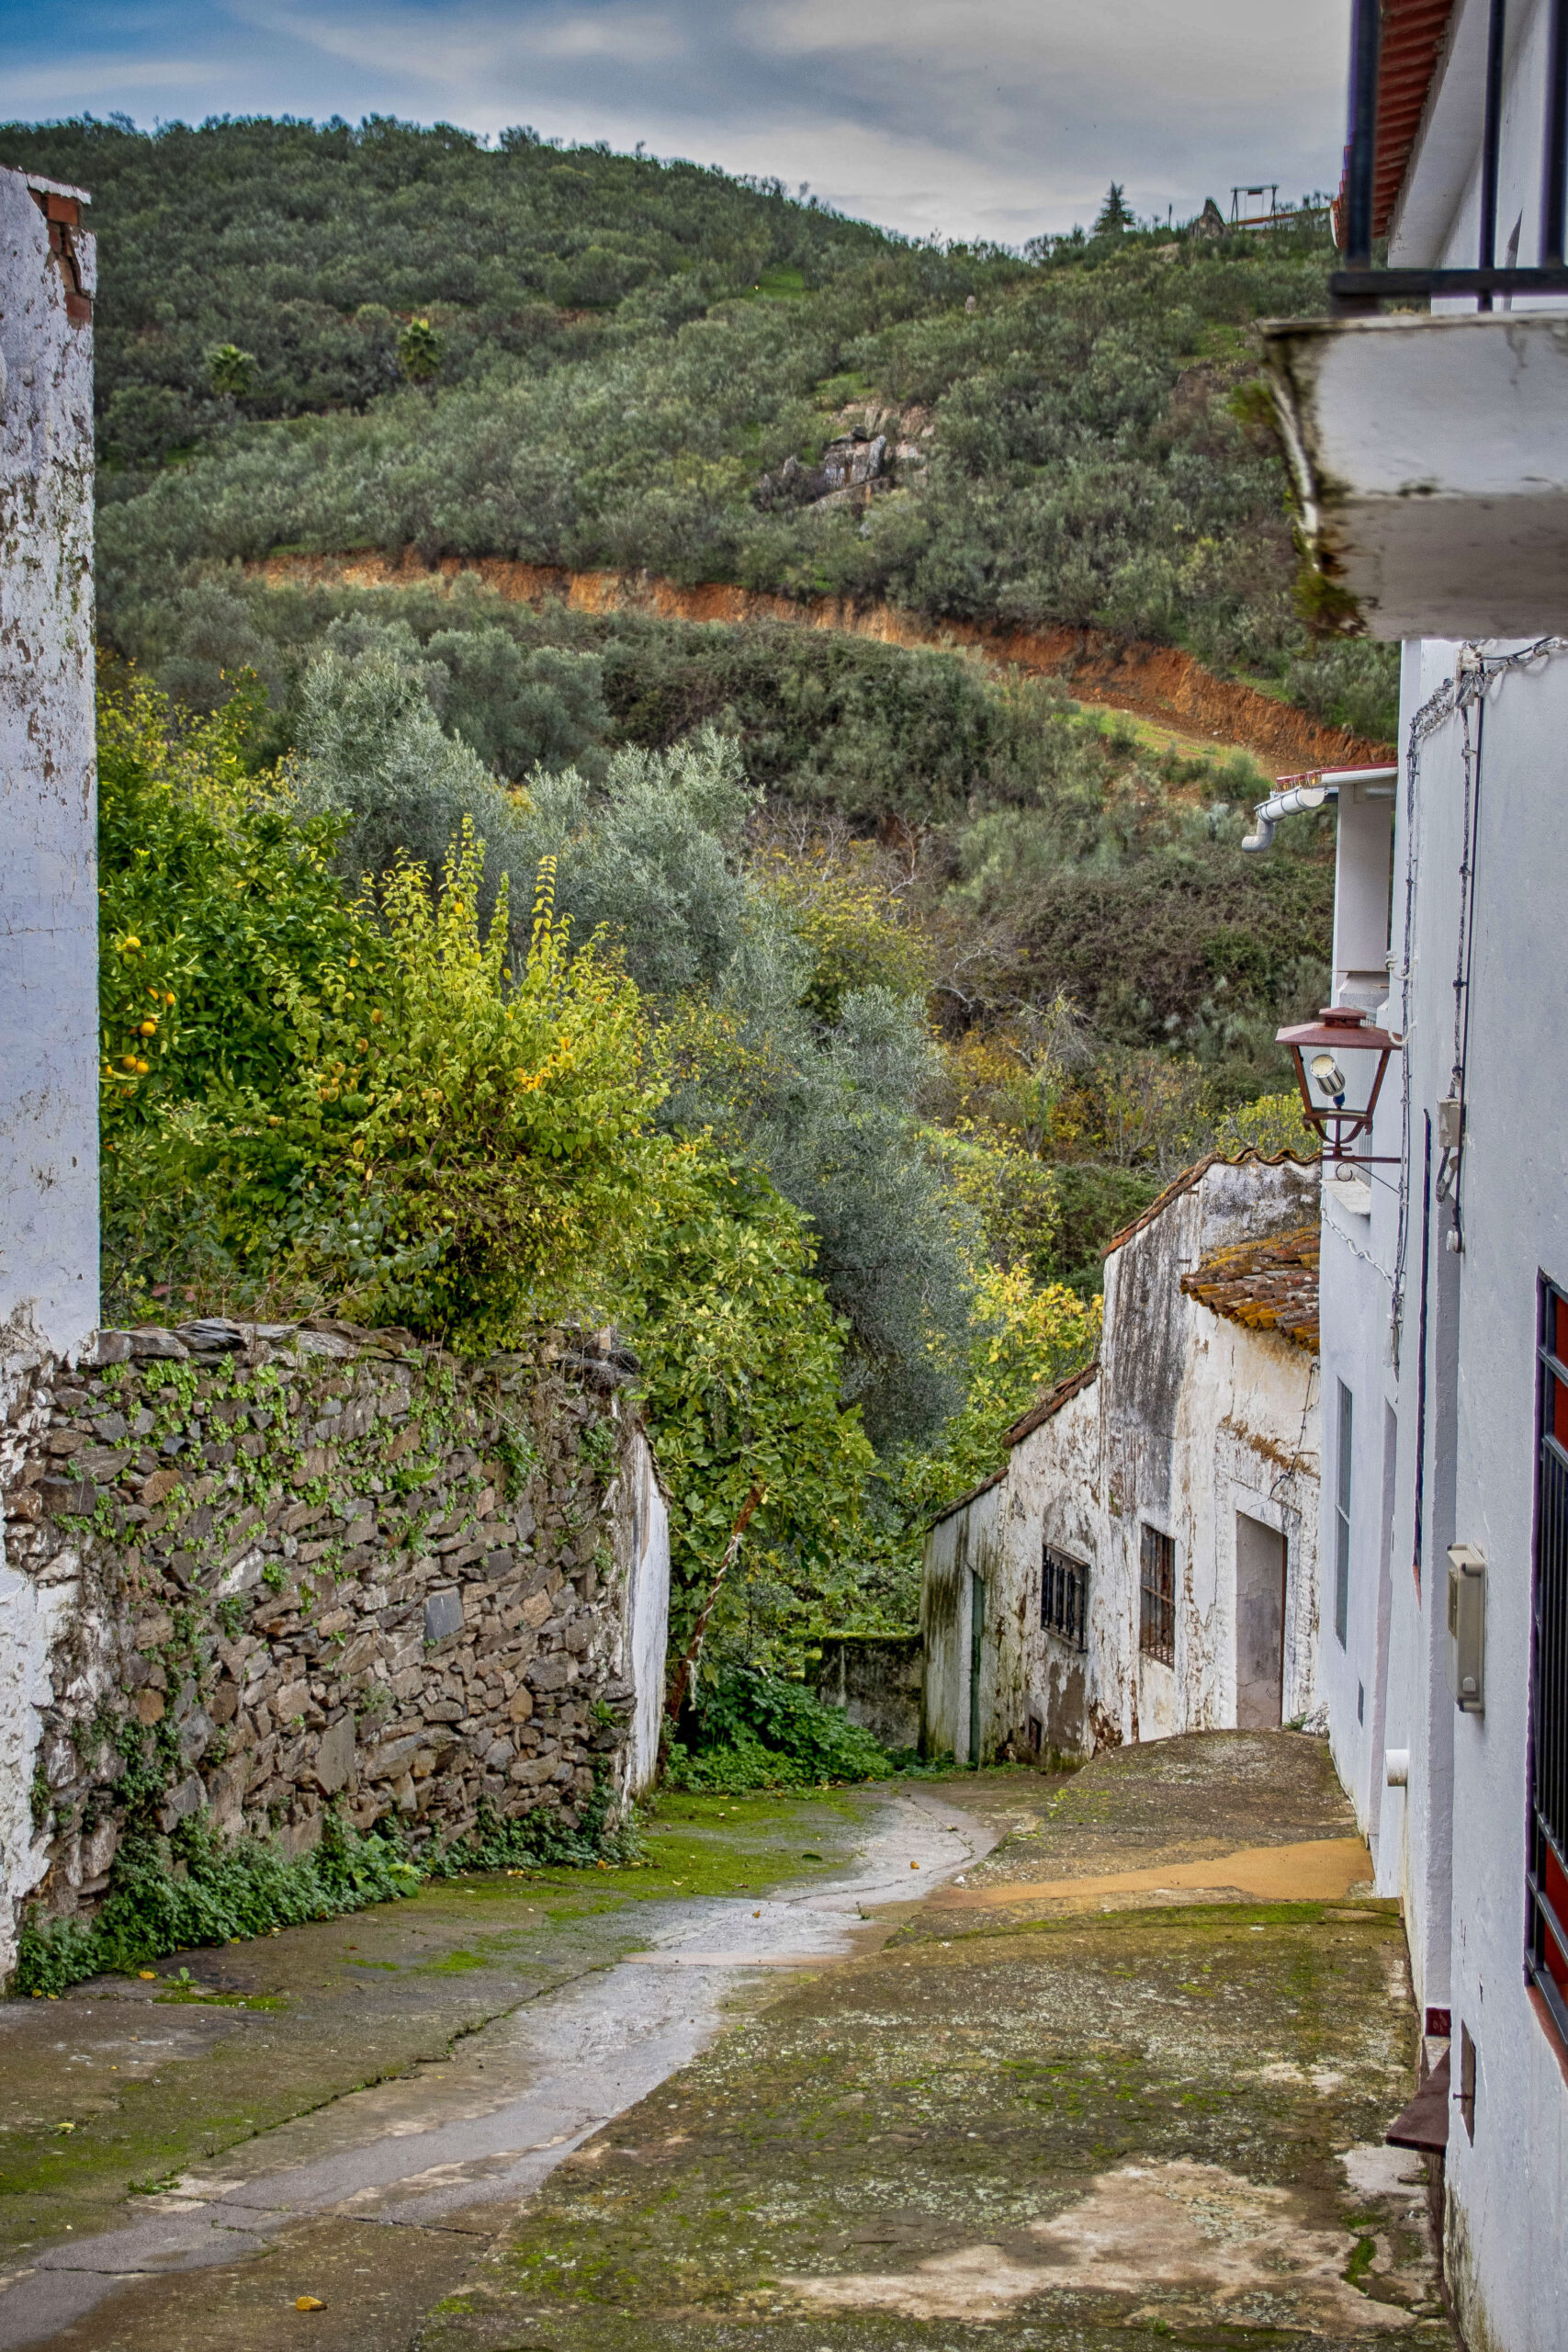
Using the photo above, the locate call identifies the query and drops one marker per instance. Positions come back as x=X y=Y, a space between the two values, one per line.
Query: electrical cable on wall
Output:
x=1474 y=673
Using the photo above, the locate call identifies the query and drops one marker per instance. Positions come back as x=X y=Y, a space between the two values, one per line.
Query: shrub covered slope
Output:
x=391 y=335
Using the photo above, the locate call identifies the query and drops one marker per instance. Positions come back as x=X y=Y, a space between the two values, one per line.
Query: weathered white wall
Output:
x=49 y=918
x=647 y=1613
x=965 y=1542
x=1453 y=1844
x=1054 y=1495
x=1190 y=1420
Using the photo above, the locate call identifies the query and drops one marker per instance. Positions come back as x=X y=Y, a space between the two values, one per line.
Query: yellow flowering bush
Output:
x=510 y=1114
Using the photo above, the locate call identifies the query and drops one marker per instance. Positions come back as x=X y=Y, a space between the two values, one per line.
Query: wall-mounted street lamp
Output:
x=1340 y=1061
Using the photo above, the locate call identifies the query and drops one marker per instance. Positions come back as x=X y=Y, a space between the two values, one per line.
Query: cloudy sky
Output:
x=968 y=118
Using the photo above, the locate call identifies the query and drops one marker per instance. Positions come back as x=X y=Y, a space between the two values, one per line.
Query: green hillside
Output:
x=329 y=338
x=814 y=1007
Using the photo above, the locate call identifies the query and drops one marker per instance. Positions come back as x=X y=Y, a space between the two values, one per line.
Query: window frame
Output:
x=1156 y=1599
x=1344 y=1459
x=1064 y=1595
x=1546 y=1817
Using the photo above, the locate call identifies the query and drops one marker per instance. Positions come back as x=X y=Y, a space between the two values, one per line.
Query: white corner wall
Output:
x=48 y=912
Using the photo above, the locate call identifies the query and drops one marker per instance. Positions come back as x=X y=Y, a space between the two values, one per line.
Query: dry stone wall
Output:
x=282 y=1569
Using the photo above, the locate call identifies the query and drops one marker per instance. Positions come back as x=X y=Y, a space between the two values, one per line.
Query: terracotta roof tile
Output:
x=1415 y=33
x=962 y=1503
x=1052 y=1403
x=1270 y=1286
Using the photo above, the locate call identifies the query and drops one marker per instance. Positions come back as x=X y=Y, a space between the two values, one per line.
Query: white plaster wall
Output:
x=1438 y=220
x=647 y=1614
x=1202 y=1417
x=1452 y=1845
x=964 y=1541
x=32 y=1617
x=48 y=1188
x=1507 y=2191
x=1190 y=1420
x=1053 y=1495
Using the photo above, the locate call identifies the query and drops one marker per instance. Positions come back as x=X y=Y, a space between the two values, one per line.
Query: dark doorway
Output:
x=977 y=1634
x=1259 y=1625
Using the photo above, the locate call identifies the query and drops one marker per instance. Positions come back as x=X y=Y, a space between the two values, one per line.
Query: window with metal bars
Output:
x=1157 y=1609
x=1387 y=93
x=1547 y=1895
x=1064 y=1595
x=1342 y=1517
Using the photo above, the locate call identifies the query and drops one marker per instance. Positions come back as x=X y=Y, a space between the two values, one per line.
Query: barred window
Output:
x=1342 y=1517
x=1546 y=1906
x=1156 y=1615
x=1064 y=1596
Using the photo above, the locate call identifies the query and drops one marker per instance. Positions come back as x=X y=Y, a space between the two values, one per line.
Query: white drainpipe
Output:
x=1305 y=794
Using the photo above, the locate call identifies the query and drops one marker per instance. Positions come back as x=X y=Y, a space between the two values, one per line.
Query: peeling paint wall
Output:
x=49 y=914
x=969 y=1543
x=1191 y=1421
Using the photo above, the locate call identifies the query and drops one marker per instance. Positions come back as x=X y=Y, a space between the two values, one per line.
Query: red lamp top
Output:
x=1338 y=1025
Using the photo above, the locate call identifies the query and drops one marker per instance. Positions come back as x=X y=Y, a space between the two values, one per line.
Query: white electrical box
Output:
x=1467 y=1628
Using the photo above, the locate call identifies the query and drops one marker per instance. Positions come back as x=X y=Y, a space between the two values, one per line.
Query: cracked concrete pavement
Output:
x=1111 y=2063
x=444 y=2152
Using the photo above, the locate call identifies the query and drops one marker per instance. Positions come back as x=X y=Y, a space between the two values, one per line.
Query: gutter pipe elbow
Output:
x=1299 y=795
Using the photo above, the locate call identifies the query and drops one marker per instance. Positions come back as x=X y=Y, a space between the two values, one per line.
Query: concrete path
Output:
x=445 y=2155
x=1098 y=2098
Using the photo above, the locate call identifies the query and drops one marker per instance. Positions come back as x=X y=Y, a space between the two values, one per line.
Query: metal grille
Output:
x=1342 y=1516
x=1360 y=286
x=1157 y=1613
x=1064 y=1596
x=1546 y=1906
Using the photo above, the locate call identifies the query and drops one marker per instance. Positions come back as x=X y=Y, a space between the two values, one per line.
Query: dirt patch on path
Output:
x=1156 y=683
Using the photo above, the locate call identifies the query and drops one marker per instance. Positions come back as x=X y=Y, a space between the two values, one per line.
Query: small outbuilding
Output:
x=1145 y=1560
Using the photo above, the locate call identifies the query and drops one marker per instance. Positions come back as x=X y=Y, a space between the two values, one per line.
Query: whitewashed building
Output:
x=1431 y=455
x=1146 y=1561
x=49 y=898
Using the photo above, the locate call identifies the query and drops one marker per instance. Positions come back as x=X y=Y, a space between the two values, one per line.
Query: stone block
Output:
x=187 y=1797
x=391 y=1757
x=68 y=1498
x=334 y=1756
x=98 y=1846
x=443 y=1616
x=111 y=1347
x=522 y=1706
x=153 y=1340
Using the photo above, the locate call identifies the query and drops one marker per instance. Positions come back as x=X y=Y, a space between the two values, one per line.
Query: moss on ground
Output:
x=891 y=2140
x=126 y=2079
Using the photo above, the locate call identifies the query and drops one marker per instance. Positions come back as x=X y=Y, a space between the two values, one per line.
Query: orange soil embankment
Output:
x=1154 y=683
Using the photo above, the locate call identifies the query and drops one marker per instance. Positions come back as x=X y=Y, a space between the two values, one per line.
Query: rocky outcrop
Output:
x=260 y=1570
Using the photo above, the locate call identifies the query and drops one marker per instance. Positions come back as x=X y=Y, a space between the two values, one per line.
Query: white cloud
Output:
x=968 y=118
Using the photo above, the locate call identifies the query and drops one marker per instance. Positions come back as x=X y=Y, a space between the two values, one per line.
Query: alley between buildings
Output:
x=1116 y=2054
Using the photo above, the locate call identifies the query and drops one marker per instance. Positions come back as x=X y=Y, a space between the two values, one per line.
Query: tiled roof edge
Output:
x=1052 y=1403
x=1193 y=1175
x=964 y=1502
